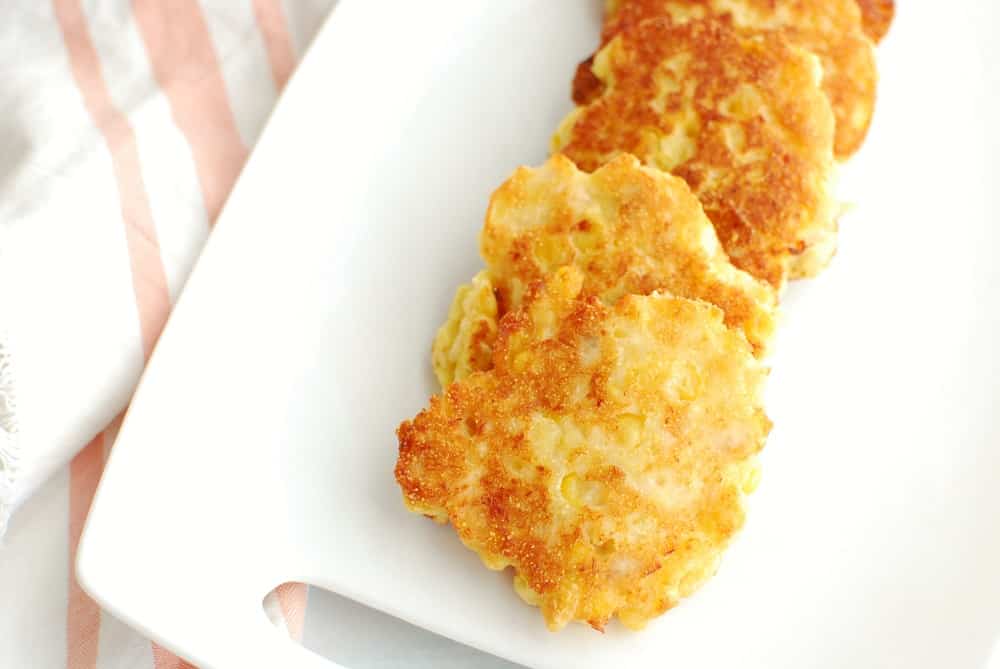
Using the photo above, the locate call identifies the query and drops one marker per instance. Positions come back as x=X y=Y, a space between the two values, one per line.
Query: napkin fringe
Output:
x=9 y=447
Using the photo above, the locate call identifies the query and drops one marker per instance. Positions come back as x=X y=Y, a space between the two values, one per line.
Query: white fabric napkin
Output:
x=123 y=128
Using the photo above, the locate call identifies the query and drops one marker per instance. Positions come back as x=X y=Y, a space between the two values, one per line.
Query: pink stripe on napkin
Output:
x=187 y=68
x=273 y=26
x=149 y=280
x=83 y=618
x=149 y=285
x=164 y=659
x=293 y=598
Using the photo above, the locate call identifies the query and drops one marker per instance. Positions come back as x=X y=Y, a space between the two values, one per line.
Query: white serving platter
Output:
x=260 y=445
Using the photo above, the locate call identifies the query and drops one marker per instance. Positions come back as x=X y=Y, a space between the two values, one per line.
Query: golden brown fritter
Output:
x=876 y=17
x=832 y=29
x=605 y=457
x=738 y=116
x=631 y=229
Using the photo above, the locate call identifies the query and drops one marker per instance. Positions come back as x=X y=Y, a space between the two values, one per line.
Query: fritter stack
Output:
x=603 y=378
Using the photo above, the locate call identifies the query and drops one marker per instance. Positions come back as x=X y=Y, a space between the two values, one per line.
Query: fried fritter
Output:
x=739 y=116
x=876 y=17
x=606 y=455
x=631 y=229
x=831 y=29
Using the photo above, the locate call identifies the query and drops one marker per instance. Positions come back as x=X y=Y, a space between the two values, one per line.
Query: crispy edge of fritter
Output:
x=876 y=17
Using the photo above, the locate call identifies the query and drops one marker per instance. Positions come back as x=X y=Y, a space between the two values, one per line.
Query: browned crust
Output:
x=876 y=16
x=767 y=194
x=586 y=85
x=832 y=29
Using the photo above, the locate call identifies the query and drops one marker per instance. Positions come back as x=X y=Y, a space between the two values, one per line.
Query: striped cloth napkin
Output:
x=124 y=127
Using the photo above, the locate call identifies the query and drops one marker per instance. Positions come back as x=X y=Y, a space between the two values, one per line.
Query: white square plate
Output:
x=260 y=446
